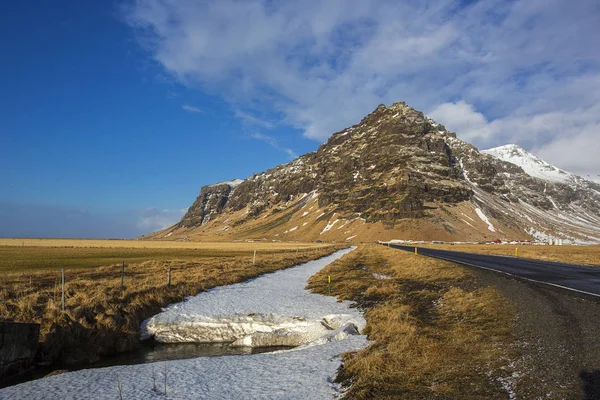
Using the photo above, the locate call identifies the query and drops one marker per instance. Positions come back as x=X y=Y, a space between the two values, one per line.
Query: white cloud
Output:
x=461 y=117
x=152 y=219
x=273 y=142
x=577 y=153
x=252 y=120
x=568 y=139
x=489 y=69
x=192 y=109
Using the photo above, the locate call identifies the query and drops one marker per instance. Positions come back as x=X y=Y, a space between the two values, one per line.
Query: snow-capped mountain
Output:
x=399 y=175
x=532 y=165
x=536 y=167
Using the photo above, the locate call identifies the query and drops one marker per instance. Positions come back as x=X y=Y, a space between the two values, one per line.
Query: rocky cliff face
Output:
x=395 y=159
x=210 y=202
x=396 y=173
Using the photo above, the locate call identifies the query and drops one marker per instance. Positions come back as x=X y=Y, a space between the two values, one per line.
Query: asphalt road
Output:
x=578 y=278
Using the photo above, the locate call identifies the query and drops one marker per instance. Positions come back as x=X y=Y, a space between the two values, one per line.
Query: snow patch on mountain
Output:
x=329 y=226
x=532 y=165
x=233 y=183
x=485 y=219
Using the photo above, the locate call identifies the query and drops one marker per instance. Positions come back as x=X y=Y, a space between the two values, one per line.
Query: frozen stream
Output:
x=273 y=309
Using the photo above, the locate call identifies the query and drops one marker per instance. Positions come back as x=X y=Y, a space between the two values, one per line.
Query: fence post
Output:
x=169 y=276
x=416 y=251
x=122 y=278
x=254 y=258
x=63 y=289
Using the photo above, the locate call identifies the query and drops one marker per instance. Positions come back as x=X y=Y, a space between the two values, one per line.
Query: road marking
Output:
x=516 y=276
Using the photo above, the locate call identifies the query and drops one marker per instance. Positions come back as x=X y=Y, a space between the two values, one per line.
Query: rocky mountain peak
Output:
x=399 y=174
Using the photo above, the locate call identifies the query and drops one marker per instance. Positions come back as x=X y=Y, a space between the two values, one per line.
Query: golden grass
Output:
x=98 y=319
x=434 y=335
x=22 y=255
x=158 y=244
x=569 y=254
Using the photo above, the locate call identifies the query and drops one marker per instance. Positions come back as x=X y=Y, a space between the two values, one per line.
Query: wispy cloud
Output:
x=252 y=120
x=192 y=109
x=322 y=66
x=273 y=142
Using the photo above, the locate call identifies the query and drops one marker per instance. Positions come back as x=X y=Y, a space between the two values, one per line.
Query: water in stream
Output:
x=148 y=353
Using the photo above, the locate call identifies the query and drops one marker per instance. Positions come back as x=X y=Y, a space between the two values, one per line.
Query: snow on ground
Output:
x=232 y=183
x=485 y=219
x=464 y=171
x=539 y=236
x=381 y=276
x=329 y=226
x=253 y=312
x=468 y=217
x=306 y=372
x=291 y=229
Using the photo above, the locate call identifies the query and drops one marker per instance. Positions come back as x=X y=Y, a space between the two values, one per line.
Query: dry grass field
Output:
x=570 y=254
x=24 y=255
x=99 y=319
x=434 y=333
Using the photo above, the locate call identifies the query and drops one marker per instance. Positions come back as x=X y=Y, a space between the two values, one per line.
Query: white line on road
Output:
x=516 y=276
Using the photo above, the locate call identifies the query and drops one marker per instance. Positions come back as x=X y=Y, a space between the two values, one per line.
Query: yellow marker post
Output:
x=388 y=244
x=416 y=252
x=329 y=284
x=516 y=252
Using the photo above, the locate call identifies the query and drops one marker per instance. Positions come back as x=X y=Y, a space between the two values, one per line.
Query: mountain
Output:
x=398 y=174
x=531 y=165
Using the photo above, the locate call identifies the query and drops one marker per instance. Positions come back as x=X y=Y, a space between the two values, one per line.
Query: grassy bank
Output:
x=434 y=333
x=100 y=320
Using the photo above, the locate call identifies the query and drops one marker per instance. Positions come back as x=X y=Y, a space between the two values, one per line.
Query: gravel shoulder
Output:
x=558 y=335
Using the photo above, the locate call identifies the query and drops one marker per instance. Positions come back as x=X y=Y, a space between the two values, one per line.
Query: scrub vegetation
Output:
x=434 y=333
x=101 y=320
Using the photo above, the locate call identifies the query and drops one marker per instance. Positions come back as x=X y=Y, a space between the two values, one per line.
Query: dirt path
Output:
x=558 y=334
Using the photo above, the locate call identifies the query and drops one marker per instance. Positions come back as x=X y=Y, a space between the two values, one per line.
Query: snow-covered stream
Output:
x=273 y=309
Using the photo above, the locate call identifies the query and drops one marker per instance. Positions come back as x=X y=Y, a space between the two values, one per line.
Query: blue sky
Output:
x=114 y=114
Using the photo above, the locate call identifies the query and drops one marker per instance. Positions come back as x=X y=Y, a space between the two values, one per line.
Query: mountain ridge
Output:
x=397 y=174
